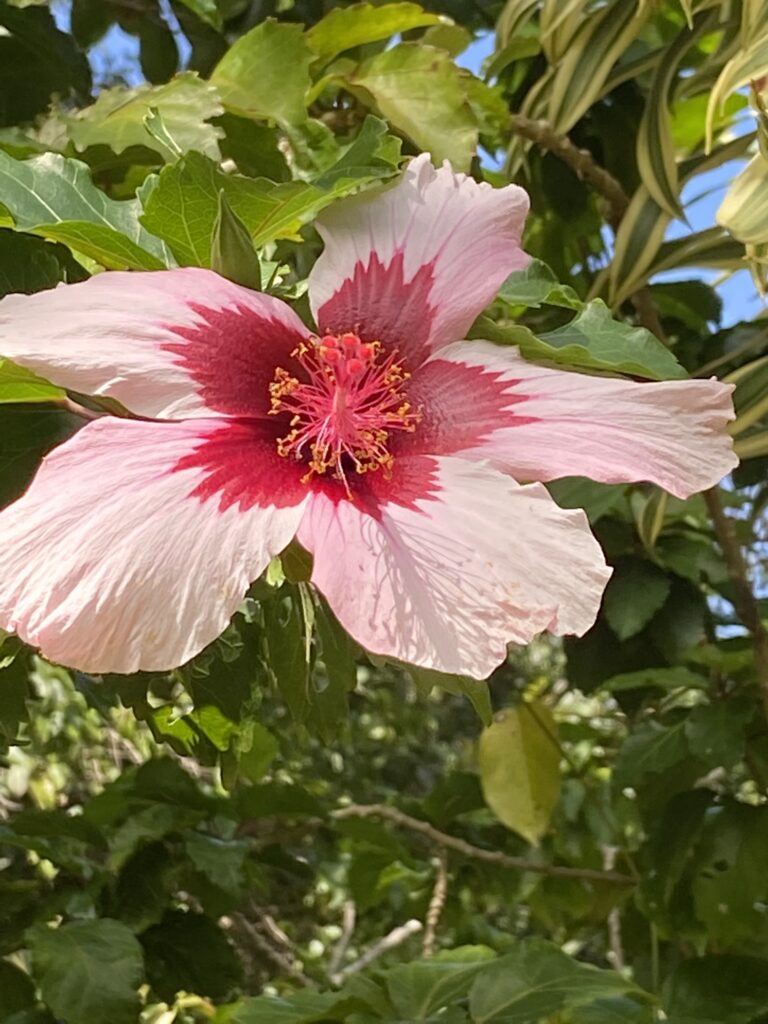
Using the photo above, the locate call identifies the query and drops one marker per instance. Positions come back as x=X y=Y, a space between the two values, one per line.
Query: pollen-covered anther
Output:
x=344 y=405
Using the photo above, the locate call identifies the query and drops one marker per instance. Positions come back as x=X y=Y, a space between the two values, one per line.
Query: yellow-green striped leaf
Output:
x=594 y=49
x=514 y=15
x=750 y=399
x=750 y=62
x=557 y=23
x=655 y=144
x=752 y=447
x=744 y=211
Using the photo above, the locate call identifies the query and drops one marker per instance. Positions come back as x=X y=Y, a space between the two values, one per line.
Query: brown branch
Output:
x=390 y=941
x=744 y=600
x=581 y=162
x=442 y=839
x=282 y=961
x=436 y=903
x=348 y=923
x=584 y=165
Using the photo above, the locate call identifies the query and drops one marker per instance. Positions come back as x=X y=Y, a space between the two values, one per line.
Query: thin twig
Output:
x=348 y=923
x=436 y=903
x=442 y=839
x=744 y=600
x=283 y=962
x=395 y=938
x=616 y=953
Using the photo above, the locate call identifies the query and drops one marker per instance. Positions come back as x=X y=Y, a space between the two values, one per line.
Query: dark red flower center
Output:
x=344 y=402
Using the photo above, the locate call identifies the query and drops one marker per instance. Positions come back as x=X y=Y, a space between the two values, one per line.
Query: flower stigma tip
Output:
x=350 y=399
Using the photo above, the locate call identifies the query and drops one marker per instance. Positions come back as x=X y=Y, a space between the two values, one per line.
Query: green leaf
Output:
x=650 y=750
x=232 y=252
x=206 y=10
x=90 y=20
x=602 y=342
x=419 y=989
x=591 y=54
x=145 y=826
x=183 y=206
x=329 y=696
x=519 y=763
x=88 y=971
x=716 y=732
x=36 y=62
x=617 y=1010
x=744 y=211
x=117 y=118
x=666 y=679
x=26 y=435
x=635 y=592
x=287 y=657
x=55 y=198
x=296 y=1008
x=419 y=89
x=27 y=264
x=220 y=860
x=345 y=27
x=20 y=385
x=537 y=286
x=729 y=884
x=577 y=492
x=655 y=144
x=17 y=990
x=476 y=690
x=158 y=54
x=593 y=340
x=256 y=750
x=726 y=989
x=265 y=73
x=187 y=952
x=536 y=981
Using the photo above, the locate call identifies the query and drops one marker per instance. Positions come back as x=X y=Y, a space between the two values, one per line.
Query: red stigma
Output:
x=350 y=399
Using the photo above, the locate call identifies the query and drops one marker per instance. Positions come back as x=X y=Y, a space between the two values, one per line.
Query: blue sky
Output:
x=118 y=51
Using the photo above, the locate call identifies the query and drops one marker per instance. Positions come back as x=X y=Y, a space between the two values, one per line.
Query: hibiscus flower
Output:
x=406 y=461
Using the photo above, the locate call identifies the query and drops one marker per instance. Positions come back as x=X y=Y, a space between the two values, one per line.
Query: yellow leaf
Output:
x=519 y=764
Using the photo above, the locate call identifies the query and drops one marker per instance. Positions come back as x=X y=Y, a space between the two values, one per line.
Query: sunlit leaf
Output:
x=265 y=73
x=419 y=90
x=55 y=198
x=519 y=765
x=186 y=104
x=345 y=27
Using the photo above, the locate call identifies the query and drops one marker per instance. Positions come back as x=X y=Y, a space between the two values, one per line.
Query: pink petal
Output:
x=136 y=541
x=414 y=265
x=167 y=344
x=449 y=561
x=485 y=402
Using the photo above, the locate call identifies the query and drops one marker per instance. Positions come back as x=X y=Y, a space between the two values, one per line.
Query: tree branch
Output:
x=283 y=962
x=442 y=839
x=348 y=922
x=436 y=903
x=395 y=938
x=581 y=162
